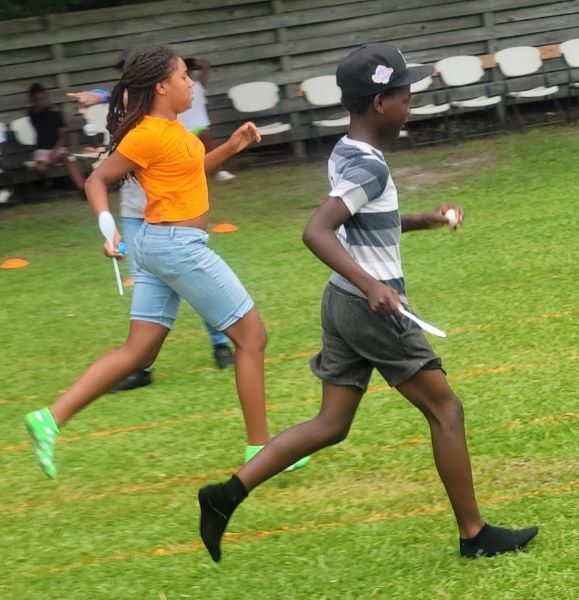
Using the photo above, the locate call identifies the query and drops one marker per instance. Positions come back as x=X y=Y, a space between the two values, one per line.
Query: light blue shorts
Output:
x=174 y=263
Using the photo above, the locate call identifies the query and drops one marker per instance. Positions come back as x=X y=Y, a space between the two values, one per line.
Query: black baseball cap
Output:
x=375 y=69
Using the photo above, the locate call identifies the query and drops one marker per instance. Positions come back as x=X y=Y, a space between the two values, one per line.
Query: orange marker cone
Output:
x=14 y=263
x=225 y=228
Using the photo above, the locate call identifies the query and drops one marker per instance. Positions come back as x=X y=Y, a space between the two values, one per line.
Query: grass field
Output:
x=368 y=518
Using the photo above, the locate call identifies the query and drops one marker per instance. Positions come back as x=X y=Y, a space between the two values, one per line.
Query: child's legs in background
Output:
x=429 y=391
x=330 y=426
x=139 y=351
x=130 y=227
x=71 y=166
x=218 y=338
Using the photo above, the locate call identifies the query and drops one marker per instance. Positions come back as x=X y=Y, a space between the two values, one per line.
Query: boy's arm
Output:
x=320 y=237
x=431 y=220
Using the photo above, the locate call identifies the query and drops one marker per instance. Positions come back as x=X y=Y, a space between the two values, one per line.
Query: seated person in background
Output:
x=50 y=136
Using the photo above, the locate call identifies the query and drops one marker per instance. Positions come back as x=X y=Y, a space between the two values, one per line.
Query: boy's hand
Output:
x=242 y=137
x=436 y=218
x=383 y=299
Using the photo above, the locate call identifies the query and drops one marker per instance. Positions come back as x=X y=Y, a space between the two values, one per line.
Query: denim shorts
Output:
x=174 y=263
x=357 y=340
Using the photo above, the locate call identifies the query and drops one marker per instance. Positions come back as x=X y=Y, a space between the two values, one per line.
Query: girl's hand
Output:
x=242 y=137
x=116 y=253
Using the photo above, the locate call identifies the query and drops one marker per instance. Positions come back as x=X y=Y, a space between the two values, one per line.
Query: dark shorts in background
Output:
x=356 y=340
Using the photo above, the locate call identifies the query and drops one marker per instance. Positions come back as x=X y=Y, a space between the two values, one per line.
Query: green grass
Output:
x=367 y=518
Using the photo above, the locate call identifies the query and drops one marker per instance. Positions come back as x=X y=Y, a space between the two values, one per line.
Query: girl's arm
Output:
x=96 y=187
x=239 y=140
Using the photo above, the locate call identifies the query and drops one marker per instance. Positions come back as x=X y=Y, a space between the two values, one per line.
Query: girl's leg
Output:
x=250 y=338
x=429 y=391
x=138 y=352
x=330 y=426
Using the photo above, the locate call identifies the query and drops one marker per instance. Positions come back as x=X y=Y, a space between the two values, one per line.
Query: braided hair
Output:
x=143 y=69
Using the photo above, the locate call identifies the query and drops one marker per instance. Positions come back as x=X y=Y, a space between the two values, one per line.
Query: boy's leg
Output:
x=330 y=426
x=142 y=346
x=429 y=391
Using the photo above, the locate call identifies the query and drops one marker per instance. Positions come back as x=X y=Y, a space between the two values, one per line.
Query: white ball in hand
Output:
x=451 y=218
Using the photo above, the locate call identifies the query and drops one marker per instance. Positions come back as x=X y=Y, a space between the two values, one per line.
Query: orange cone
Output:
x=14 y=263
x=225 y=228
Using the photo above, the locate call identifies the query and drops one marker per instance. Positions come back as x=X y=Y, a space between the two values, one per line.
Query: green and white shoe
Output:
x=43 y=431
x=251 y=451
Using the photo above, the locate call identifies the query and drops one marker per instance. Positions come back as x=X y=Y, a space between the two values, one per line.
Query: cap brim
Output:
x=415 y=74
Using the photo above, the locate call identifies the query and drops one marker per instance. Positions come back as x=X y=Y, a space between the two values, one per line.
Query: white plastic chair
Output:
x=463 y=70
x=24 y=131
x=256 y=97
x=520 y=61
x=429 y=109
x=324 y=91
x=96 y=124
x=25 y=134
x=570 y=52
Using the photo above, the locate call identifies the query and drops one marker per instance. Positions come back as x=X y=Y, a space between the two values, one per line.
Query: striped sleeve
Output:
x=363 y=179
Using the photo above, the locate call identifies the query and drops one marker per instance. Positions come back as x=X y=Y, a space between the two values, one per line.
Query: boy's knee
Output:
x=334 y=434
x=446 y=412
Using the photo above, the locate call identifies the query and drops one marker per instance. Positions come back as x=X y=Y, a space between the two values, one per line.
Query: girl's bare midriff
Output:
x=198 y=222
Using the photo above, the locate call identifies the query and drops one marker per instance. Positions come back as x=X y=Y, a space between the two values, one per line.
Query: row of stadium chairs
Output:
x=455 y=72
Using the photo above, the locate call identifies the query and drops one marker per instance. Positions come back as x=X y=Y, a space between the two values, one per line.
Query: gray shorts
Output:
x=356 y=339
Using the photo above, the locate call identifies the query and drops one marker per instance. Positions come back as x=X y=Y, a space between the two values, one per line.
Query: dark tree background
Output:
x=15 y=9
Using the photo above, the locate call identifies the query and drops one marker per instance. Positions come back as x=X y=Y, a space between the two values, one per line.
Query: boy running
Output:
x=356 y=232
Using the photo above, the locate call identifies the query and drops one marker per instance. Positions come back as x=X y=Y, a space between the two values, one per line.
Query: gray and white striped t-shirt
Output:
x=360 y=176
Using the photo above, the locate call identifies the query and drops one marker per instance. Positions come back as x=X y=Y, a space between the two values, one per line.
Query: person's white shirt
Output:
x=197 y=115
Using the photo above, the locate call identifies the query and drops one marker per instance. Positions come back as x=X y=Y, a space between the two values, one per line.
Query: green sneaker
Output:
x=43 y=431
x=251 y=451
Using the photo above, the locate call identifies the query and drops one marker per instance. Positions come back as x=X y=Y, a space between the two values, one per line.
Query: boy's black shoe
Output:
x=133 y=381
x=217 y=503
x=223 y=356
x=490 y=541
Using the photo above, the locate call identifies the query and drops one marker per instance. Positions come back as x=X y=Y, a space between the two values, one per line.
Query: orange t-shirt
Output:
x=172 y=169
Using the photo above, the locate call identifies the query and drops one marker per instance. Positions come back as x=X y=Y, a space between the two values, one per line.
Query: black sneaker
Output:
x=223 y=356
x=133 y=381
